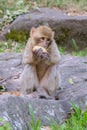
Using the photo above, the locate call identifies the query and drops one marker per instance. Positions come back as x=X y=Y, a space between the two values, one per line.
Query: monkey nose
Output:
x=44 y=44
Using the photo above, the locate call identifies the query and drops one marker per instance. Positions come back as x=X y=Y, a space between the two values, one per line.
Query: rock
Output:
x=66 y=27
x=12 y=110
x=10 y=69
x=74 y=69
x=15 y=109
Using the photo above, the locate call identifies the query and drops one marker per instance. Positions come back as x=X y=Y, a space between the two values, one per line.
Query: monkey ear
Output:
x=32 y=31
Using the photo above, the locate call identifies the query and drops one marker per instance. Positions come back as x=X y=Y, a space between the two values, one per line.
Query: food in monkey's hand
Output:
x=39 y=47
x=40 y=52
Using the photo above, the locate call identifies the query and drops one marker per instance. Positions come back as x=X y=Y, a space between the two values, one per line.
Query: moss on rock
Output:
x=17 y=35
x=61 y=38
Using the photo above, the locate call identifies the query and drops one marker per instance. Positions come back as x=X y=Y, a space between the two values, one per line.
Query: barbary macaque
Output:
x=41 y=59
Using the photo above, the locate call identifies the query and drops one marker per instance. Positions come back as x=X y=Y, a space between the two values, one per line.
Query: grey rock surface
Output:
x=10 y=69
x=15 y=109
x=66 y=27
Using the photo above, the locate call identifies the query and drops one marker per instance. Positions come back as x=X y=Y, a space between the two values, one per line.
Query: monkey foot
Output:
x=39 y=96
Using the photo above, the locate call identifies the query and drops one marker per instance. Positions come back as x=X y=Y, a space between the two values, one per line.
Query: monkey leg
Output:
x=28 y=79
x=51 y=80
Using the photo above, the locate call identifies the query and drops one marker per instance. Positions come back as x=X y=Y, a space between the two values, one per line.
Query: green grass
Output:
x=77 y=121
x=80 y=53
x=61 y=3
x=34 y=124
x=10 y=9
x=74 y=52
x=12 y=46
x=4 y=125
x=62 y=50
x=75 y=46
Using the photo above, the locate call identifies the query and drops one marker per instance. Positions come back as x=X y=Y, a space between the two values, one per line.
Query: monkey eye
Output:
x=42 y=38
x=48 y=40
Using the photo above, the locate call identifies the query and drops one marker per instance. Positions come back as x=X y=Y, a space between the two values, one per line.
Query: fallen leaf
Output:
x=45 y=128
x=2 y=88
x=70 y=81
x=16 y=93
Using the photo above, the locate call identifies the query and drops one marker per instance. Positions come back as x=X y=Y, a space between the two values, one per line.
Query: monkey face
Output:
x=42 y=36
x=43 y=41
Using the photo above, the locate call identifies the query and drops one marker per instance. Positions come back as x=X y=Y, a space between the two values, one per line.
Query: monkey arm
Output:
x=55 y=58
x=28 y=54
x=54 y=55
x=28 y=57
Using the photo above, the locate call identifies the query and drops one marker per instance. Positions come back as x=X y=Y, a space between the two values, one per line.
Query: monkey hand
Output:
x=46 y=57
x=40 y=53
x=37 y=53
